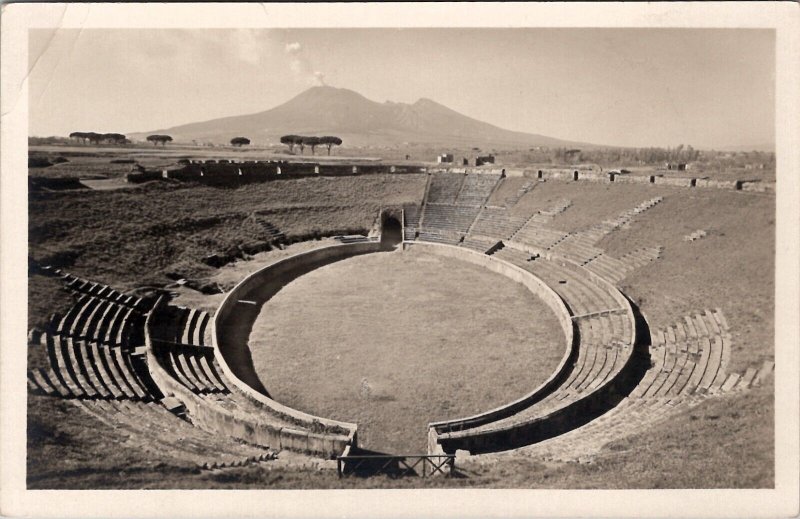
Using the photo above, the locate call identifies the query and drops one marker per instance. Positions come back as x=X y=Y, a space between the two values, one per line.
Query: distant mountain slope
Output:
x=358 y=121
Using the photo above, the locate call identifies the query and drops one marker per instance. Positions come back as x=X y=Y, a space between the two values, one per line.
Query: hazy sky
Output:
x=628 y=87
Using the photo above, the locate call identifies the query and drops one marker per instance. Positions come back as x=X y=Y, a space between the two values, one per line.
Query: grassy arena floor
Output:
x=393 y=341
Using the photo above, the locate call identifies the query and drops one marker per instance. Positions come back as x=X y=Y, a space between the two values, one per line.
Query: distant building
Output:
x=444 y=158
x=479 y=160
x=676 y=166
x=486 y=159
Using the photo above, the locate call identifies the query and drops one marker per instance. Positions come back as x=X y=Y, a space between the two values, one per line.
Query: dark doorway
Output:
x=391 y=231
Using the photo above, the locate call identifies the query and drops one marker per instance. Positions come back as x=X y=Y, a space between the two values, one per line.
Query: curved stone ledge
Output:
x=245 y=426
x=449 y=436
x=230 y=328
x=542 y=291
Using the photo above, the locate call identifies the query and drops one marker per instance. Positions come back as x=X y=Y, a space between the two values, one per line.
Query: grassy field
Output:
x=359 y=341
x=137 y=236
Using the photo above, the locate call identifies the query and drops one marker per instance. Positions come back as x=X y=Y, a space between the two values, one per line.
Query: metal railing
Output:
x=422 y=465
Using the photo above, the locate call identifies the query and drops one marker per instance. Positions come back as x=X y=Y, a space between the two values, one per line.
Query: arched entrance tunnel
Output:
x=391 y=230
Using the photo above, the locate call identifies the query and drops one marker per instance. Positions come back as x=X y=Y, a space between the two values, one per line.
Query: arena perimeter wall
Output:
x=249 y=427
x=240 y=307
x=456 y=432
x=542 y=291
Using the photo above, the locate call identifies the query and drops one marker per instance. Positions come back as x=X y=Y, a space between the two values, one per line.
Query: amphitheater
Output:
x=182 y=383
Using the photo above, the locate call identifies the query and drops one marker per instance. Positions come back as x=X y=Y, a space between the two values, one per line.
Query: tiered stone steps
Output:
x=448 y=218
x=476 y=189
x=181 y=350
x=411 y=215
x=444 y=187
x=526 y=187
x=151 y=428
x=688 y=366
x=439 y=237
x=93 y=350
x=616 y=270
x=479 y=243
x=496 y=222
x=581 y=295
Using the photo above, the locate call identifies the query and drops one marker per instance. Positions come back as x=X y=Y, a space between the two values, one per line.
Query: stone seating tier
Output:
x=444 y=187
x=476 y=189
x=580 y=294
x=439 y=237
x=150 y=427
x=496 y=222
x=450 y=218
x=79 y=369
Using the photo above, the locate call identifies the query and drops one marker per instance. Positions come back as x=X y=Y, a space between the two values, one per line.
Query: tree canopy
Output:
x=330 y=140
x=311 y=141
x=163 y=139
x=240 y=141
x=96 y=138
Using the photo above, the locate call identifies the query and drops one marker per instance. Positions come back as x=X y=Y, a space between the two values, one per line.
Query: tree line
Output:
x=97 y=138
x=292 y=141
x=312 y=142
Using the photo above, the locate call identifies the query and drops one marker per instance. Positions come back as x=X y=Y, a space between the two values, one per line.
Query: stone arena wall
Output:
x=538 y=428
x=261 y=286
x=249 y=428
x=542 y=291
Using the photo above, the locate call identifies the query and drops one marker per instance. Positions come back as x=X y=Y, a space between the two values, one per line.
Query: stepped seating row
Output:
x=194 y=368
x=271 y=232
x=596 y=232
x=444 y=187
x=536 y=235
x=439 y=237
x=79 y=369
x=101 y=321
x=99 y=290
x=628 y=417
x=151 y=428
x=602 y=350
x=449 y=218
x=527 y=186
x=688 y=357
x=195 y=323
x=479 y=243
x=497 y=222
x=688 y=363
x=179 y=345
x=411 y=215
x=577 y=247
x=615 y=269
x=581 y=295
x=476 y=189
x=559 y=207
x=625 y=217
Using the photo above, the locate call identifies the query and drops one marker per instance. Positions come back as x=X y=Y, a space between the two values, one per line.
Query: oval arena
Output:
x=472 y=323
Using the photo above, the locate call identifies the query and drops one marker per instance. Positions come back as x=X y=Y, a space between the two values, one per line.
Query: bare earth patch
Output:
x=393 y=341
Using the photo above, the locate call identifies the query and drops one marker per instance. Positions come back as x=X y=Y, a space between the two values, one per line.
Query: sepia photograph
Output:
x=327 y=256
